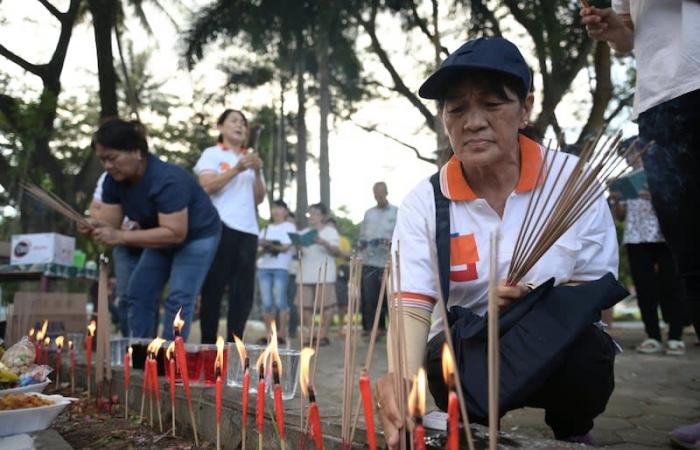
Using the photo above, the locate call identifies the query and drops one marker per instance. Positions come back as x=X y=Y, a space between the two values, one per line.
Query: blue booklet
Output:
x=629 y=186
x=305 y=239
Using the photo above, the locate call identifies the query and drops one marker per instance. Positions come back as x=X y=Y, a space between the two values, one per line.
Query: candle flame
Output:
x=242 y=353
x=262 y=361
x=131 y=351
x=178 y=323
x=304 y=361
x=91 y=328
x=70 y=345
x=169 y=352
x=274 y=352
x=219 y=362
x=44 y=327
x=416 y=398
x=47 y=341
x=59 y=342
x=448 y=365
x=31 y=332
x=155 y=345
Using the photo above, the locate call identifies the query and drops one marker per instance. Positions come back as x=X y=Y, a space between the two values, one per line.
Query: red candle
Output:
x=47 y=342
x=72 y=366
x=154 y=380
x=279 y=406
x=315 y=421
x=178 y=323
x=366 y=394
x=218 y=364
x=127 y=380
x=59 y=348
x=88 y=350
x=245 y=363
x=453 y=421
x=416 y=406
x=171 y=378
x=260 y=410
x=448 y=368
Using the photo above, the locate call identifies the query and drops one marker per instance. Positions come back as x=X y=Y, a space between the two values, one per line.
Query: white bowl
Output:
x=38 y=387
x=28 y=420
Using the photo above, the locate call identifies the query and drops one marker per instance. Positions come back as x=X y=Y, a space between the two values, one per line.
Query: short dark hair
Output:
x=321 y=207
x=122 y=135
x=490 y=82
x=279 y=202
x=224 y=115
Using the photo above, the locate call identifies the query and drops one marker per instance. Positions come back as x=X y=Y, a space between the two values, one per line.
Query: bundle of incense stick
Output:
x=397 y=345
x=559 y=200
x=53 y=202
x=351 y=335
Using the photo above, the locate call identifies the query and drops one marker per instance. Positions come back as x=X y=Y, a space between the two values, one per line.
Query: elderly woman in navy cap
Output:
x=484 y=101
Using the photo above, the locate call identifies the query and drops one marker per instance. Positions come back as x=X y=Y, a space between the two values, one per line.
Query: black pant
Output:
x=233 y=267
x=655 y=280
x=371 y=285
x=574 y=394
x=673 y=170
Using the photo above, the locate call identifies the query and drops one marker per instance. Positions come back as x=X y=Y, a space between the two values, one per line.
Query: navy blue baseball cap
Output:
x=494 y=53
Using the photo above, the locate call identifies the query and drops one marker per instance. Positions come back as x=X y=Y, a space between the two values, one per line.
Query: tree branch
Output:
x=373 y=129
x=52 y=9
x=23 y=63
x=424 y=28
x=401 y=87
x=626 y=101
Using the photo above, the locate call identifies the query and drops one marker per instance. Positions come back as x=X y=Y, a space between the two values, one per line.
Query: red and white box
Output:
x=42 y=248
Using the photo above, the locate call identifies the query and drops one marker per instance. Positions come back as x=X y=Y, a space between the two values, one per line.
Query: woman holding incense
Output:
x=232 y=176
x=483 y=98
x=178 y=227
x=317 y=269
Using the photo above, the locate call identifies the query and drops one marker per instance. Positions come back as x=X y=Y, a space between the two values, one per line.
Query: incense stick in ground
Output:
x=493 y=345
x=441 y=304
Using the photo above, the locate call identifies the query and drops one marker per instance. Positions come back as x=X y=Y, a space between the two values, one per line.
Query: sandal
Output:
x=649 y=346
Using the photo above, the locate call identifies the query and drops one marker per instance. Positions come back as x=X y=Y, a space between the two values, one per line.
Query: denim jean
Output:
x=125 y=259
x=273 y=289
x=185 y=267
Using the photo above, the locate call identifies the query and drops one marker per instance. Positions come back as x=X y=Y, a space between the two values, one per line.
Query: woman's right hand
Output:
x=389 y=415
x=87 y=225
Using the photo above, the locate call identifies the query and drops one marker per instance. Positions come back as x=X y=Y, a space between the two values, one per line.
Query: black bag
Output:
x=534 y=332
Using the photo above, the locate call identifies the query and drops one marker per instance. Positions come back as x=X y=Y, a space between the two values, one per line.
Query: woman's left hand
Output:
x=507 y=295
x=108 y=236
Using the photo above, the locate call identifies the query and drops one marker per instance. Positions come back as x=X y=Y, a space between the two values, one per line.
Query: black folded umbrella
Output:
x=535 y=331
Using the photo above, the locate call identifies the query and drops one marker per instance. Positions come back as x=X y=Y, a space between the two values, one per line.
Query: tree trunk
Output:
x=282 y=140
x=601 y=95
x=103 y=17
x=324 y=100
x=302 y=200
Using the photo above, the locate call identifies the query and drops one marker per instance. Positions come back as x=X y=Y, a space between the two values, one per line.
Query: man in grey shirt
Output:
x=374 y=242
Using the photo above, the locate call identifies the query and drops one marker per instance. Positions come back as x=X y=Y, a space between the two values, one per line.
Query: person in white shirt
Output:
x=666 y=43
x=232 y=176
x=483 y=98
x=277 y=251
x=318 y=258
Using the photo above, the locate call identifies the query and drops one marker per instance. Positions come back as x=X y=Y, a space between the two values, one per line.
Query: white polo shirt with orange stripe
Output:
x=587 y=251
x=235 y=202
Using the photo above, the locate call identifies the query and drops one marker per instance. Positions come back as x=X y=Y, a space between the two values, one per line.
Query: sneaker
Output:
x=687 y=436
x=675 y=348
x=649 y=346
x=585 y=439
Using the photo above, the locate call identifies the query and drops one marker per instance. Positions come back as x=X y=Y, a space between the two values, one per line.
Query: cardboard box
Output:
x=65 y=313
x=42 y=248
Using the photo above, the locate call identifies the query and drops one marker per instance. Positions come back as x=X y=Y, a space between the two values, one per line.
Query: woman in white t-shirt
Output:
x=232 y=176
x=316 y=257
x=276 y=250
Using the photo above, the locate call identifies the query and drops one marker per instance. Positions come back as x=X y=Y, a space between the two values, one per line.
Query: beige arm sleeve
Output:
x=416 y=324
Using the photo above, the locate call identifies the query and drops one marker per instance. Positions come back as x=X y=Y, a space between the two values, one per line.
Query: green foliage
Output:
x=346 y=227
